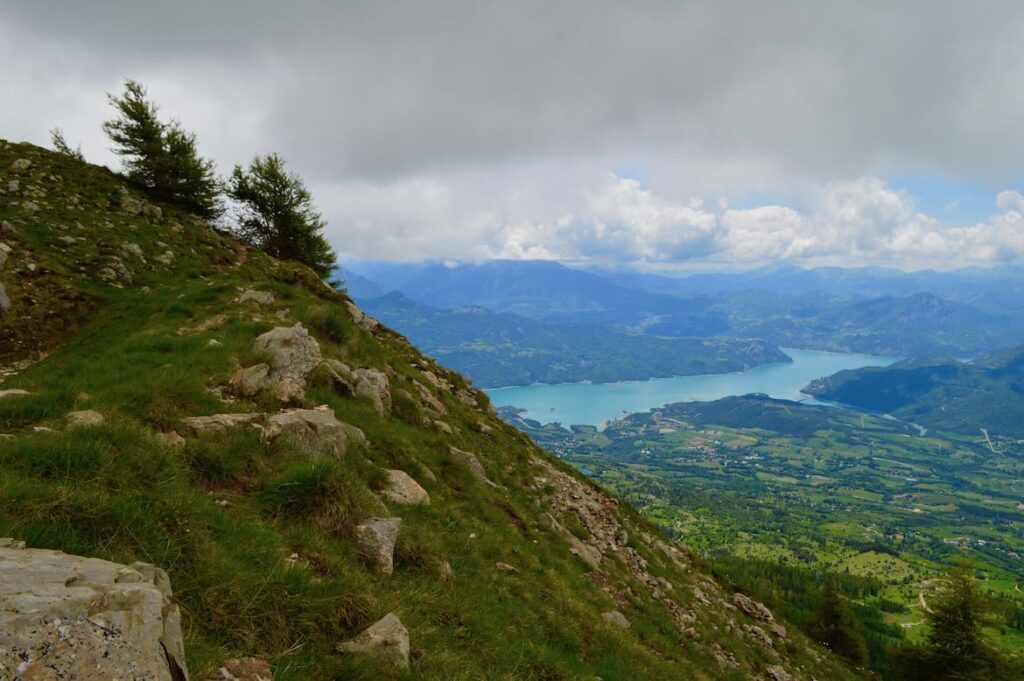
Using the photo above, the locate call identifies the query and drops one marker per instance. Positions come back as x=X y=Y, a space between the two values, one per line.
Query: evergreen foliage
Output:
x=61 y=146
x=162 y=157
x=835 y=626
x=277 y=214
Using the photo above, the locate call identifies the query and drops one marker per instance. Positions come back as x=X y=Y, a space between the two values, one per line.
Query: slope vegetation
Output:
x=175 y=398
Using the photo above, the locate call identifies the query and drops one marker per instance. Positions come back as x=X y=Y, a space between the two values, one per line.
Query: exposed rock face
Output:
x=386 y=640
x=84 y=418
x=469 y=460
x=292 y=354
x=615 y=617
x=242 y=669
x=374 y=384
x=402 y=489
x=258 y=297
x=362 y=320
x=377 y=538
x=205 y=424
x=318 y=431
x=69 y=617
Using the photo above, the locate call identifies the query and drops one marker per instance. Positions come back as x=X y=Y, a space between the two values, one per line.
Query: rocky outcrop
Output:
x=248 y=382
x=386 y=640
x=362 y=320
x=242 y=669
x=402 y=489
x=376 y=538
x=69 y=617
x=317 y=431
x=197 y=425
x=292 y=354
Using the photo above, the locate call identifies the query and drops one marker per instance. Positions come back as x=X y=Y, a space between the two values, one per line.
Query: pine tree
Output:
x=61 y=146
x=835 y=626
x=277 y=214
x=162 y=157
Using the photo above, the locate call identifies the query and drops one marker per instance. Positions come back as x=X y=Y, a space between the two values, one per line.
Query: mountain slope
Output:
x=939 y=392
x=501 y=349
x=270 y=533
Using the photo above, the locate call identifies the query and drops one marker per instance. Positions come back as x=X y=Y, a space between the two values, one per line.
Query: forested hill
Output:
x=321 y=495
x=939 y=392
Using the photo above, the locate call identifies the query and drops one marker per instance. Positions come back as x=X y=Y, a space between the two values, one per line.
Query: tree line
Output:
x=272 y=208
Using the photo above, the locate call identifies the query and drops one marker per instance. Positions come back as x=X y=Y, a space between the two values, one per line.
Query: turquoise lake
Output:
x=595 y=403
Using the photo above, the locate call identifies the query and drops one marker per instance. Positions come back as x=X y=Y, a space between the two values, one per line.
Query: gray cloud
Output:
x=370 y=101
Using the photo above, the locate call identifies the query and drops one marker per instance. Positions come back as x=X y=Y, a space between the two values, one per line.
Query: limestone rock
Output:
x=342 y=376
x=318 y=431
x=258 y=297
x=242 y=669
x=13 y=392
x=374 y=384
x=617 y=618
x=376 y=539
x=293 y=354
x=165 y=258
x=83 y=418
x=402 y=489
x=132 y=251
x=69 y=617
x=386 y=640
x=469 y=460
x=206 y=424
x=778 y=673
x=21 y=165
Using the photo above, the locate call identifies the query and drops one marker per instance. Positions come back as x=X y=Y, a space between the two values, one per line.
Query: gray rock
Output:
x=21 y=165
x=5 y=252
x=469 y=460
x=402 y=489
x=250 y=381
x=342 y=376
x=171 y=439
x=386 y=640
x=778 y=673
x=374 y=384
x=166 y=258
x=752 y=608
x=617 y=618
x=5 y=301
x=293 y=354
x=362 y=320
x=84 y=418
x=132 y=251
x=258 y=297
x=69 y=617
x=317 y=431
x=13 y=392
x=376 y=538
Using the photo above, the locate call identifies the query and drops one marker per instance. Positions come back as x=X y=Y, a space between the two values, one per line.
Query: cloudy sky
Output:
x=647 y=134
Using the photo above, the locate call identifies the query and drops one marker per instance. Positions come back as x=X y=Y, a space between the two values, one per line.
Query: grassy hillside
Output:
x=134 y=311
x=501 y=349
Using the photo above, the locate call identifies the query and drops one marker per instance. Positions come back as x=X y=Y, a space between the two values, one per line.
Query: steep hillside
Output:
x=500 y=349
x=303 y=473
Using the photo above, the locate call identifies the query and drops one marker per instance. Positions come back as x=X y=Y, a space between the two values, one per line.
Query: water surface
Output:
x=596 y=403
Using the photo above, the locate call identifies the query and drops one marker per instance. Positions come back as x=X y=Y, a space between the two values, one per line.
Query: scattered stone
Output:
x=318 y=431
x=13 y=392
x=132 y=251
x=752 y=608
x=427 y=473
x=467 y=398
x=165 y=258
x=217 y=422
x=5 y=252
x=84 y=418
x=506 y=567
x=342 y=376
x=214 y=323
x=778 y=673
x=484 y=428
x=242 y=669
x=374 y=384
x=589 y=554
x=386 y=640
x=13 y=186
x=441 y=426
x=469 y=460
x=258 y=297
x=759 y=635
x=617 y=618
x=376 y=538
x=293 y=355
x=171 y=439
x=213 y=342
x=724 y=658
x=21 y=165
x=5 y=300
x=402 y=489
x=70 y=617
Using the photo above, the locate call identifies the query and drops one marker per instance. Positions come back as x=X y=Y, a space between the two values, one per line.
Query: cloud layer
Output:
x=482 y=129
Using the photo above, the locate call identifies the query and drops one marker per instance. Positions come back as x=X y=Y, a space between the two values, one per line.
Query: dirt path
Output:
x=924 y=603
x=988 y=440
